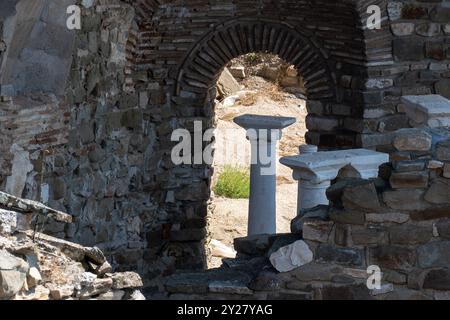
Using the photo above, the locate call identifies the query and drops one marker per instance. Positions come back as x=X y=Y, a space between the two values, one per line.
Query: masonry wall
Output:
x=104 y=148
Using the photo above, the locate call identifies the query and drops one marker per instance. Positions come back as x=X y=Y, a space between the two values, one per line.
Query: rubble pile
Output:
x=36 y=266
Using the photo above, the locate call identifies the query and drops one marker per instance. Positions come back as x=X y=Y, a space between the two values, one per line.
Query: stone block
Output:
x=429 y=110
x=369 y=235
x=409 y=165
x=437 y=280
x=403 y=28
x=317 y=230
x=342 y=256
x=405 y=199
x=408 y=180
x=438 y=193
x=392 y=257
x=412 y=140
x=434 y=254
x=443 y=228
x=291 y=257
x=362 y=196
x=410 y=235
x=407 y=50
x=443 y=151
x=392 y=217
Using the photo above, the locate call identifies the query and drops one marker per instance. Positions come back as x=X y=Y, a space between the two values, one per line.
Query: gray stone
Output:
x=428 y=29
x=408 y=180
x=403 y=28
x=443 y=228
x=392 y=257
x=442 y=87
x=412 y=140
x=370 y=235
x=410 y=235
x=13 y=274
x=266 y=281
x=438 y=193
x=434 y=254
x=253 y=245
x=405 y=50
x=229 y=287
x=394 y=9
x=393 y=217
x=437 y=279
x=316 y=230
x=409 y=165
x=291 y=257
x=342 y=256
x=362 y=196
x=317 y=213
x=406 y=199
x=443 y=151
x=347 y=217
x=126 y=280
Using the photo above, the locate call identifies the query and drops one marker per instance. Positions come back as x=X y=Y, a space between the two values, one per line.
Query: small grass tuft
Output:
x=233 y=183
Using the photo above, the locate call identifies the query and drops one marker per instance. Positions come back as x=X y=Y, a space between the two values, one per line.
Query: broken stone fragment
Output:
x=125 y=280
x=136 y=295
x=13 y=274
x=112 y=295
x=291 y=257
x=60 y=292
x=100 y=270
x=34 y=277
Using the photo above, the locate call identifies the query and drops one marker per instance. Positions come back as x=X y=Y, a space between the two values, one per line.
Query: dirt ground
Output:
x=228 y=217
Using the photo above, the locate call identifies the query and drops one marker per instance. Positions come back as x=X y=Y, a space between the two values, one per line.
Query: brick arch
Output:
x=206 y=60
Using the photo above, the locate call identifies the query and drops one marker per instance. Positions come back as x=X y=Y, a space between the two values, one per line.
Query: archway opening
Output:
x=260 y=84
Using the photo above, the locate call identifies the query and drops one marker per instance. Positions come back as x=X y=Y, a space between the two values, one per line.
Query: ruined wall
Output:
x=140 y=69
x=399 y=222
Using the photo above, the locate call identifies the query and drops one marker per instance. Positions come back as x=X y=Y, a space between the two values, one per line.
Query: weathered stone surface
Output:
x=290 y=257
x=434 y=254
x=229 y=287
x=410 y=235
x=253 y=245
x=316 y=272
x=403 y=28
x=33 y=277
x=317 y=230
x=266 y=281
x=393 y=257
x=443 y=151
x=409 y=165
x=394 y=217
x=412 y=140
x=343 y=256
x=126 y=280
x=362 y=196
x=13 y=274
x=408 y=180
x=319 y=213
x=369 y=236
x=407 y=294
x=227 y=84
x=405 y=199
x=438 y=193
x=355 y=292
x=431 y=213
x=443 y=228
x=347 y=217
x=437 y=279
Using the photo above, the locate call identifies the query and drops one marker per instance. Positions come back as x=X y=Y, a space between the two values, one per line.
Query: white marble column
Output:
x=263 y=132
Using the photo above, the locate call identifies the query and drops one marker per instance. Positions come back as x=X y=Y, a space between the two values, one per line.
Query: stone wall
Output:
x=419 y=42
x=398 y=222
x=140 y=69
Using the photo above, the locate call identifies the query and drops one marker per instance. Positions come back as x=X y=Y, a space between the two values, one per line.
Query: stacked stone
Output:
x=35 y=266
x=418 y=40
